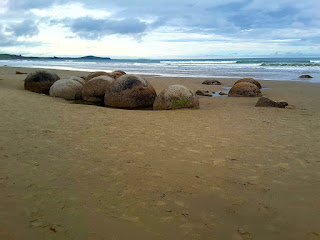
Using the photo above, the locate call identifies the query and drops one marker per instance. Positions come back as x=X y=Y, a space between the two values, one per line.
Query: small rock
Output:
x=212 y=82
x=169 y=210
x=222 y=93
x=242 y=231
x=17 y=72
x=305 y=76
x=203 y=93
x=36 y=164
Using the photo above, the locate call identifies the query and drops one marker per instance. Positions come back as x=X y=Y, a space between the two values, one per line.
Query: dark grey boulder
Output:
x=211 y=82
x=40 y=81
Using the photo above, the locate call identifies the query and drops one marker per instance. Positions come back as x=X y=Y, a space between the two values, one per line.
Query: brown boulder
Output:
x=203 y=93
x=117 y=73
x=244 y=89
x=97 y=74
x=305 y=76
x=266 y=102
x=175 y=97
x=249 y=80
x=212 y=82
x=130 y=91
x=95 y=89
x=40 y=81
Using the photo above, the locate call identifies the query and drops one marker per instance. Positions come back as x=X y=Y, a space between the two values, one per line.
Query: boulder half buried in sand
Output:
x=175 y=97
x=249 y=80
x=40 y=81
x=97 y=74
x=95 y=89
x=68 y=88
x=266 y=102
x=130 y=91
x=244 y=89
x=212 y=82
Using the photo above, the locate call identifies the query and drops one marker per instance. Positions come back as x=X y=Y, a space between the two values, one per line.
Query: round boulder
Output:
x=40 y=81
x=175 y=97
x=249 y=80
x=68 y=88
x=117 y=73
x=130 y=91
x=95 y=89
x=97 y=74
x=244 y=89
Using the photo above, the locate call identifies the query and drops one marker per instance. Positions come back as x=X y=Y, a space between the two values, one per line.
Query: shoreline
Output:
x=228 y=170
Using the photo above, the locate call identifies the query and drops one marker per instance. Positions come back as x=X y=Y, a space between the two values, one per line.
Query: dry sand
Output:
x=226 y=171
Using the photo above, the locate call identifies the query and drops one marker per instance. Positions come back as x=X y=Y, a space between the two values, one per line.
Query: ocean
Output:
x=283 y=69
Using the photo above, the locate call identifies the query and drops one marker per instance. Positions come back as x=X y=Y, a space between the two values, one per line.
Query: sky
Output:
x=161 y=29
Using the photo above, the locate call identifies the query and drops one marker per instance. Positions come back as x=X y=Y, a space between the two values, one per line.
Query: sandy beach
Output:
x=228 y=170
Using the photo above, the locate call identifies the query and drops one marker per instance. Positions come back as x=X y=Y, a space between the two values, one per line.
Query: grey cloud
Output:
x=25 y=28
x=96 y=28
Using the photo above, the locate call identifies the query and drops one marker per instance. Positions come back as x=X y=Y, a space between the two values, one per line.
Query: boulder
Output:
x=68 y=88
x=281 y=104
x=95 y=89
x=244 y=89
x=97 y=74
x=266 y=102
x=175 y=97
x=305 y=76
x=212 y=82
x=117 y=73
x=203 y=93
x=40 y=81
x=249 y=80
x=130 y=91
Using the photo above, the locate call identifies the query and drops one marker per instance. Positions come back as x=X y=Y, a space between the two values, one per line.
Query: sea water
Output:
x=285 y=69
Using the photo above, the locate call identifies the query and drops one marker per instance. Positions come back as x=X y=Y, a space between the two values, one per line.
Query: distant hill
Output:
x=14 y=57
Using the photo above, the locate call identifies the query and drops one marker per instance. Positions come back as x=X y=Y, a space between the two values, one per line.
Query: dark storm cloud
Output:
x=95 y=28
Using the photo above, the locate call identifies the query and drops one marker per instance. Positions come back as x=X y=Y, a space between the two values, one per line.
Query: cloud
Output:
x=90 y=28
x=223 y=23
x=25 y=28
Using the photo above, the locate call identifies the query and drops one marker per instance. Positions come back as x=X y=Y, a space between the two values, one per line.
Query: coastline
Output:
x=226 y=171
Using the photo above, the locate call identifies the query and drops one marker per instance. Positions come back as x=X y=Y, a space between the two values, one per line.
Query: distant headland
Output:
x=15 y=57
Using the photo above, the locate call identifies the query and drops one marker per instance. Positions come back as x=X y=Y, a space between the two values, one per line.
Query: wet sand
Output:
x=228 y=170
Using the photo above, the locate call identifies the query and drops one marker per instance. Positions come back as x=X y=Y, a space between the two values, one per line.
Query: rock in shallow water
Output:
x=305 y=76
x=203 y=93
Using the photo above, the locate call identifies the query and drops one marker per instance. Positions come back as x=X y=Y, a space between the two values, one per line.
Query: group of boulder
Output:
x=245 y=87
x=121 y=90
x=116 y=89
